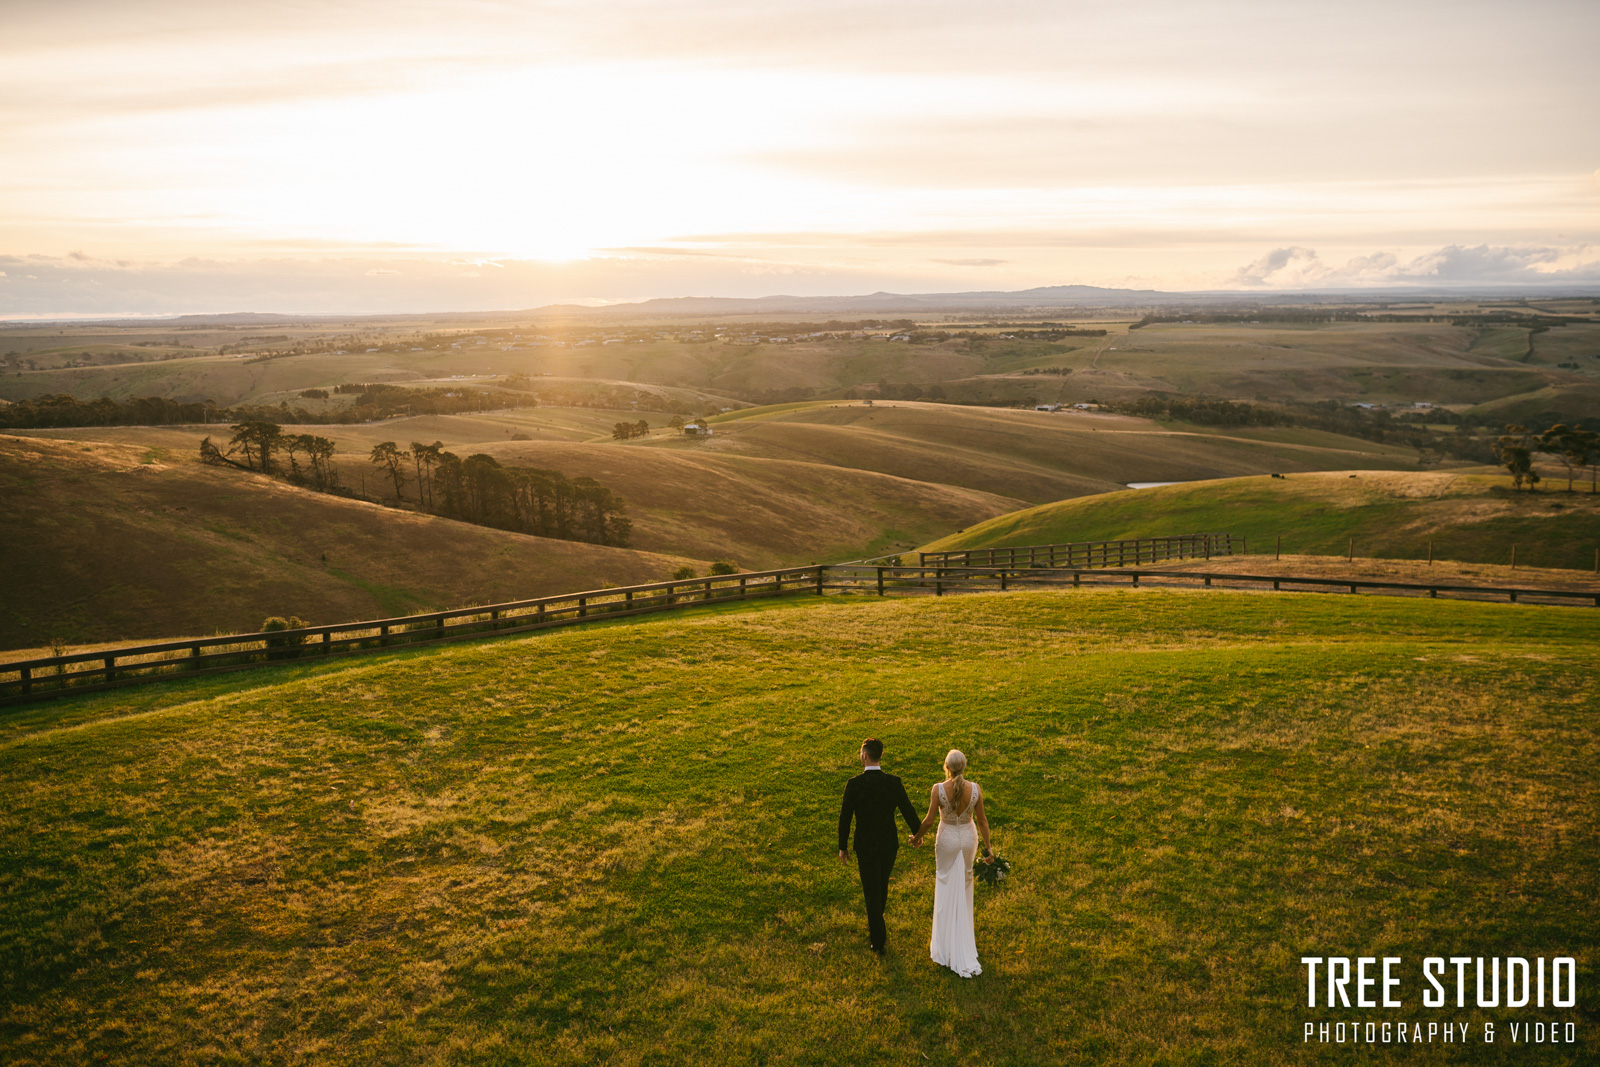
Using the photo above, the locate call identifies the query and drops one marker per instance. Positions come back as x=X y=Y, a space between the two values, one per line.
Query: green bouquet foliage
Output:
x=991 y=873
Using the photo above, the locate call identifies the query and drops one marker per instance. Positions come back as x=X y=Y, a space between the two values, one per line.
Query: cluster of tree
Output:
x=62 y=409
x=1539 y=322
x=374 y=402
x=1059 y=371
x=1573 y=447
x=627 y=431
x=260 y=444
x=476 y=489
x=525 y=499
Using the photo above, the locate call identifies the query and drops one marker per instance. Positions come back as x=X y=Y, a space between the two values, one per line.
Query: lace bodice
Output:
x=947 y=811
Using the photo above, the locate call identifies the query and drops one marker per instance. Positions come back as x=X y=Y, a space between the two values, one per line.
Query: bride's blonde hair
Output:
x=955 y=764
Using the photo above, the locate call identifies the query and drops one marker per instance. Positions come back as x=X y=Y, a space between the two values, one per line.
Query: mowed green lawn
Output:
x=616 y=844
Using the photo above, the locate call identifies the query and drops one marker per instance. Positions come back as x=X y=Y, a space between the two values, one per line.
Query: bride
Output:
x=958 y=804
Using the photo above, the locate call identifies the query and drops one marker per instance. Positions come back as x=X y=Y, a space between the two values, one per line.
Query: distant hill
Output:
x=101 y=545
x=1039 y=297
x=1030 y=455
x=1390 y=514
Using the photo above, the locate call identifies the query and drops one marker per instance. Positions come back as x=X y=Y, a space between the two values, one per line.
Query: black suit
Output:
x=872 y=797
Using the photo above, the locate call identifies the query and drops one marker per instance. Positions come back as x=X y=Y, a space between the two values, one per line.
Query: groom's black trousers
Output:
x=875 y=866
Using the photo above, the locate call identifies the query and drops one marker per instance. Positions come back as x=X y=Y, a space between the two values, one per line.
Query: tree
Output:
x=677 y=423
x=319 y=450
x=211 y=454
x=258 y=439
x=387 y=455
x=1574 y=447
x=426 y=456
x=1515 y=451
x=683 y=574
x=724 y=566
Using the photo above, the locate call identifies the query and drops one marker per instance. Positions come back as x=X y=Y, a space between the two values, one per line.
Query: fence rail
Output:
x=1091 y=553
x=936 y=581
x=82 y=672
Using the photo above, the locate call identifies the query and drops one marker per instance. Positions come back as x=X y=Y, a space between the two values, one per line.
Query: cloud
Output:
x=1297 y=267
x=972 y=262
x=380 y=272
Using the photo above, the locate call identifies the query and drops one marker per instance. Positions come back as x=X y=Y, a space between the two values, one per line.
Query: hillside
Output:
x=1030 y=455
x=615 y=845
x=107 y=541
x=1469 y=517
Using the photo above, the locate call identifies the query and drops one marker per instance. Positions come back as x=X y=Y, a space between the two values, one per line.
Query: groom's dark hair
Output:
x=873 y=748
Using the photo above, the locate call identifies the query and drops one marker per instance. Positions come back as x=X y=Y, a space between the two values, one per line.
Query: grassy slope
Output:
x=1029 y=455
x=1469 y=517
x=760 y=512
x=616 y=844
x=101 y=545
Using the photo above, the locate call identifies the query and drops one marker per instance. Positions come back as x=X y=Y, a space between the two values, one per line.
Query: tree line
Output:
x=476 y=489
x=374 y=402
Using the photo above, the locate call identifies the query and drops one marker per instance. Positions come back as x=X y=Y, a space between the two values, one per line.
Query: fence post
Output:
x=583 y=607
x=540 y=614
x=880 y=581
x=819 y=579
x=327 y=643
x=27 y=679
x=1002 y=584
x=111 y=668
x=744 y=589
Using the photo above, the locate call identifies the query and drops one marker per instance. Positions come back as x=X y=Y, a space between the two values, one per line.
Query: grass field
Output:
x=108 y=541
x=616 y=845
x=1029 y=455
x=1469 y=517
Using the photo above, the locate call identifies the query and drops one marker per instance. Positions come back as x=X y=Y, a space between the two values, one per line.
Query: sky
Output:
x=172 y=156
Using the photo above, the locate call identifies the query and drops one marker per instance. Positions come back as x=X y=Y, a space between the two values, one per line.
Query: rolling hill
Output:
x=1468 y=517
x=107 y=541
x=1031 y=455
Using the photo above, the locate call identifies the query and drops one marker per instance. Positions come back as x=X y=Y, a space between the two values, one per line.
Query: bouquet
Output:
x=991 y=873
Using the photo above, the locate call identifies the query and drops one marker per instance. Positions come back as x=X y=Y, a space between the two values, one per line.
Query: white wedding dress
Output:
x=955 y=848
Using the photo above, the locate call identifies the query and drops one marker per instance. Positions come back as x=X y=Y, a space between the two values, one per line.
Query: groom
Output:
x=872 y=797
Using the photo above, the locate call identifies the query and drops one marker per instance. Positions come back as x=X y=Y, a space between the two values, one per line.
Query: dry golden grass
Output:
x=102 y=545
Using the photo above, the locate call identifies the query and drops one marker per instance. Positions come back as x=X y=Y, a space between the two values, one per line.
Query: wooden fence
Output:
x=82 y=672
x=936 y=581
x=1091 y=553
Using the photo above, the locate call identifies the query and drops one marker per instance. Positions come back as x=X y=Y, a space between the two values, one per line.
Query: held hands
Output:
x=915 y=840
x=844 y=857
